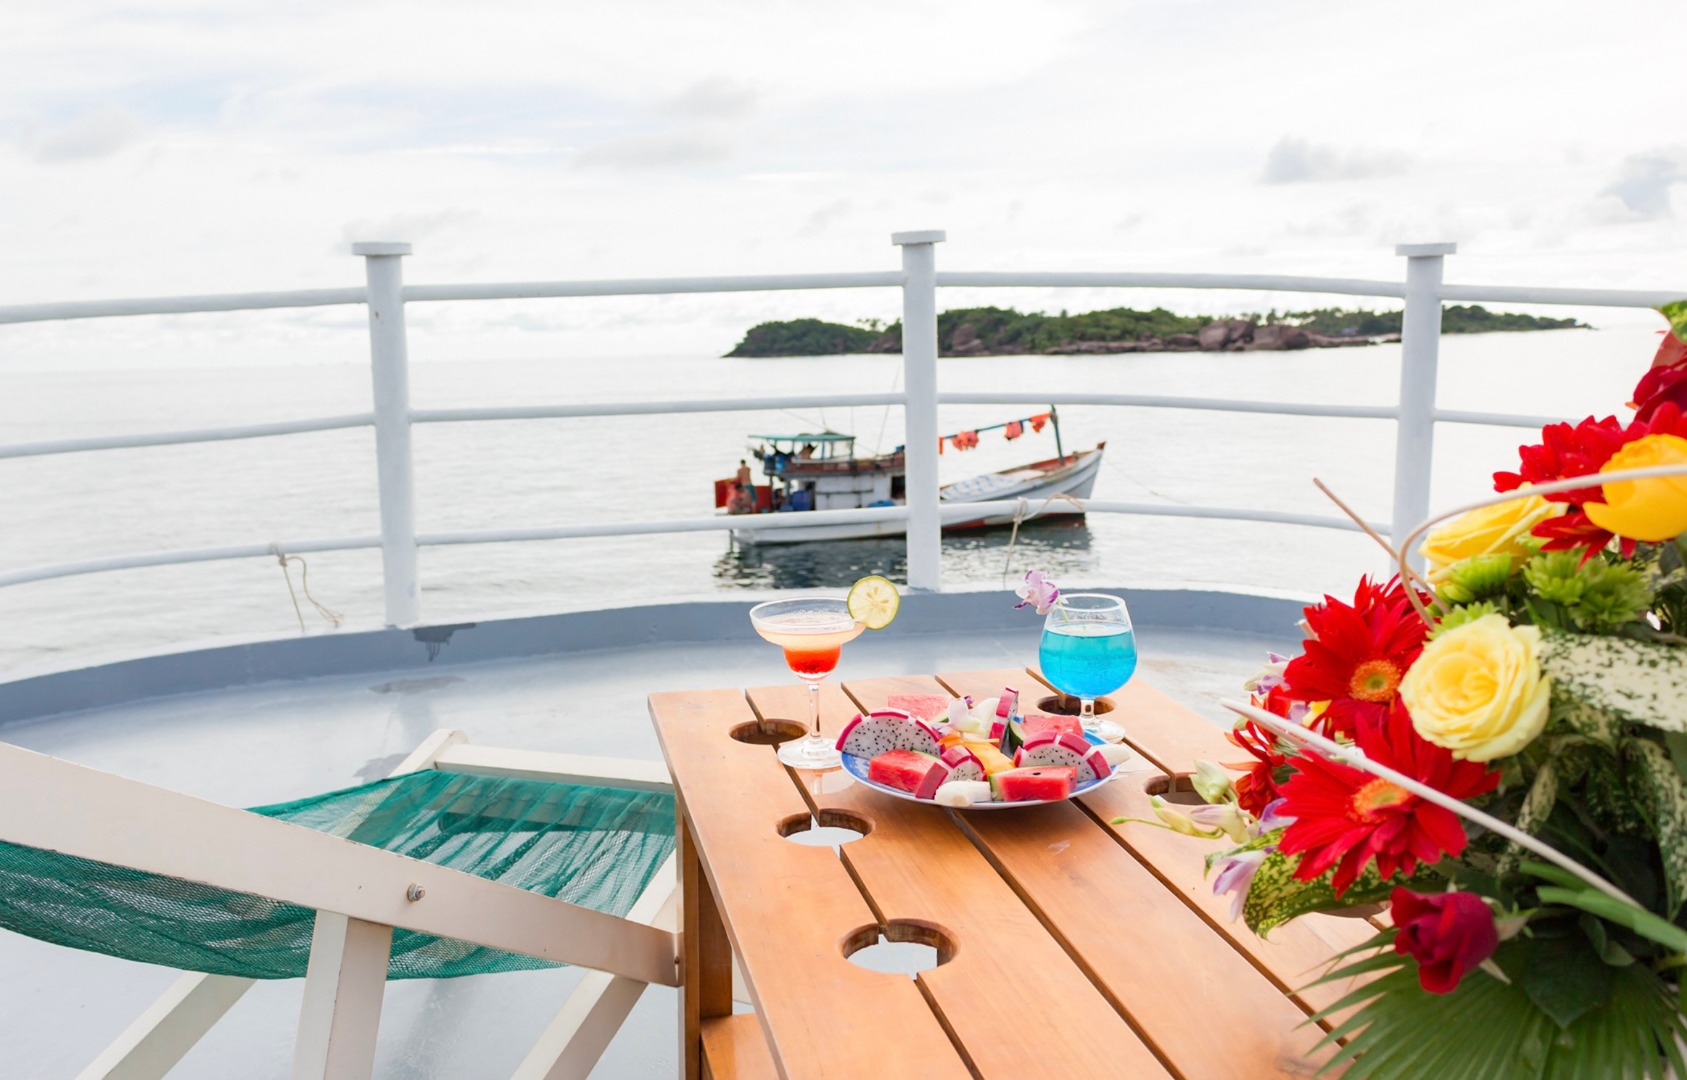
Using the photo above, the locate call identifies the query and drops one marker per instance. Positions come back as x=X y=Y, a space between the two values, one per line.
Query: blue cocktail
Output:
x=1088 y=650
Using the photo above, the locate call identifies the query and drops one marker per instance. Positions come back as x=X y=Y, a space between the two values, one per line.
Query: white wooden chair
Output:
x=360 y=894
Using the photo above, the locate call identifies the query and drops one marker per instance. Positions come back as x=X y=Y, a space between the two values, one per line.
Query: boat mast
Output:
x=1054 y=418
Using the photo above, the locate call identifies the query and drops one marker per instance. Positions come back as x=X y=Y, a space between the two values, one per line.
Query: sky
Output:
x=159 y=148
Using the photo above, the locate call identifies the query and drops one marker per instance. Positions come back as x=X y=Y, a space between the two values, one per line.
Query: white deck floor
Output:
x=281 y=740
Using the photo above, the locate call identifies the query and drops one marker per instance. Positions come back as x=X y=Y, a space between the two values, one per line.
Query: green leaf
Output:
x=1676 y=312
x=1536 y=808
x=1565 y=978
x=1276 y=895
x=1642 y=682
x=1664 y=795
x=1638 y=919
x=1488 y=1030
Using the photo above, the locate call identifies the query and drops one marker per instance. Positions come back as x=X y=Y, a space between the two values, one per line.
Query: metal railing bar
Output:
x=180 y=556
x=1151 y=401
x=715 y=523
x=528 y=290
x=1526 y=294
x=1229 y=513
x=181 y=305
x=1455 y=416
x=645 y=408
x=1108 y=279
x=175 y=438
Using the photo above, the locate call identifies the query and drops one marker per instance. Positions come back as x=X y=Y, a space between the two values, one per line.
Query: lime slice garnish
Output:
x=873 y=601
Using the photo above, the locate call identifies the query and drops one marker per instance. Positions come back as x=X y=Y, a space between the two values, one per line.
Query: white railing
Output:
x=386 y=296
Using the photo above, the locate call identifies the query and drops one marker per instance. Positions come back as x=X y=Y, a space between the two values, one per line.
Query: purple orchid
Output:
x=1236 y=876
x=1038 y=590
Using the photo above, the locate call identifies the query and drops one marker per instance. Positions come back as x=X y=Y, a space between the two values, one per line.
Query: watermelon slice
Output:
x=926 y=707
x=909 y=770
x=1027 y=726
x=1035 y=784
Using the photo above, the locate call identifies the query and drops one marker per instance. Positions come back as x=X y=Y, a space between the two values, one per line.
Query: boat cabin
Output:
x=820 y=471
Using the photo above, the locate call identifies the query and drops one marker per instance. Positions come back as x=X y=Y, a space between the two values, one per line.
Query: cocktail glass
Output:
x=813 y=631
x=1088 y=650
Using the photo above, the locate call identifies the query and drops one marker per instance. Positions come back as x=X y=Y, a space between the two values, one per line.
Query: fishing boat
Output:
x=815 y=471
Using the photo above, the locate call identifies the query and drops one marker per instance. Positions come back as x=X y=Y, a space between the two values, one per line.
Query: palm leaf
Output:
x=1489 y=1030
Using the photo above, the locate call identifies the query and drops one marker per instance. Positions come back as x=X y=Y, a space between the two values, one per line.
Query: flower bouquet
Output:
x=1497 y=751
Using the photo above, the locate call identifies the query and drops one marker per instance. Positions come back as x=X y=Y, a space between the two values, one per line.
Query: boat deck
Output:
x=278 y=740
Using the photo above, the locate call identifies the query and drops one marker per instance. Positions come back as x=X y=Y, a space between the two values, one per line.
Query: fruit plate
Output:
x=857 y=767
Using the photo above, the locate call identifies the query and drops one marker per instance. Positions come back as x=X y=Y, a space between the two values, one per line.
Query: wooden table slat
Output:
x=1114 y=914
x=822 y=1015
x=1172 y=736
x=1010 y=994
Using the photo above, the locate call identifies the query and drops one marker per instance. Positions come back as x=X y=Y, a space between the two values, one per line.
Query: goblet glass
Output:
x=813 y=631
x=1088 y=650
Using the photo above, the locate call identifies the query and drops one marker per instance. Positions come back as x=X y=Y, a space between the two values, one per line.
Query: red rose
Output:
x=1446 y=933
x=1666 y=381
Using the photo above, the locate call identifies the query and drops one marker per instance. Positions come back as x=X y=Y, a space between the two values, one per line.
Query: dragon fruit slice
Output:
x=963 y=764
x=1064 y=748
x=869 y=735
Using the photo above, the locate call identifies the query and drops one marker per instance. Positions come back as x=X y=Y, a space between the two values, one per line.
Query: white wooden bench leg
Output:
x=151 y=1046
x=572 y=1043
x=341 y=1013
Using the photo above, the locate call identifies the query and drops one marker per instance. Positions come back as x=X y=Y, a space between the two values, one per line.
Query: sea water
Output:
x=548 y=472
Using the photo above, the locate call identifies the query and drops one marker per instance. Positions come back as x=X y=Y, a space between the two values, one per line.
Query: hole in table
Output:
x=1175 y=789
x=825 y=828
x=768 y=732
x=901 y=947
x=1066 y=705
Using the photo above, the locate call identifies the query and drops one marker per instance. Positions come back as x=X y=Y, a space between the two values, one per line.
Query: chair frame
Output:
x=360 y=894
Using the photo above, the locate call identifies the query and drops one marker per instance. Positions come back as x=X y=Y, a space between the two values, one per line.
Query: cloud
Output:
x=823 y=216
x=663 y=150
x=719 y=98
x=1642 y=186
x=1294 y=161
x=92 y=135
x=406 y=227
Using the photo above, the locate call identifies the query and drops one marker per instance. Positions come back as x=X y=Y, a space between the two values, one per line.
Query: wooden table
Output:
x=1071 y=947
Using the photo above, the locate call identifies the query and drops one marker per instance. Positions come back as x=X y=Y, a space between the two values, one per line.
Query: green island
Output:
x=993 y=331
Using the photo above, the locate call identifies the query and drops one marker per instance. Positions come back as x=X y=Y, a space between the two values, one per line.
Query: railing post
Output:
x=1420 y=345
x=919 y=380
x=390 y=368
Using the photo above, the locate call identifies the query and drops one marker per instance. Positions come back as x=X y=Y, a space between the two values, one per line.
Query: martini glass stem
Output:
x=814 y=710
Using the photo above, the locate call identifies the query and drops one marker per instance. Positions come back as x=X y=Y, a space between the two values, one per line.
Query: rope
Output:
x=1019 y=515
x=328 y=613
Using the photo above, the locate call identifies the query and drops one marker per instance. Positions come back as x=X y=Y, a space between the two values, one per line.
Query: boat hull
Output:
x=1036 y=484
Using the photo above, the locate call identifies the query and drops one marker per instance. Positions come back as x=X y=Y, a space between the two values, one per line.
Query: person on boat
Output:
x=744 y=478
x=740 y=501
x=806 y=452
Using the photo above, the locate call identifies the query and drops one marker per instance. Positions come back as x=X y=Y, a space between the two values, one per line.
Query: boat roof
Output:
x=825 y=436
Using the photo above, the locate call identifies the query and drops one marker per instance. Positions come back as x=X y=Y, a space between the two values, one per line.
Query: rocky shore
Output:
x=1220 y=335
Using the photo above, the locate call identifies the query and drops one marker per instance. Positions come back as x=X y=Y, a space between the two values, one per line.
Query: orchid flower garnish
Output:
x=1236 y=876
x=1038 y=590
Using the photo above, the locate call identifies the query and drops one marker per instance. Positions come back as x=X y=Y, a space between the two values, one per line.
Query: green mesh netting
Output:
x=593 y=846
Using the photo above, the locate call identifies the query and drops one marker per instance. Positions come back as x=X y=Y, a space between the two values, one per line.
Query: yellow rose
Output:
x=1478 y=689
x=1645 y=509
x=1490 y=530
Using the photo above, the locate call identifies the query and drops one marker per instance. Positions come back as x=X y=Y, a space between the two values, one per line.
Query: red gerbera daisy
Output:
x=1356 y=656
x=1344 y=817
x=1259 y=787
x=1566 y=452
x=1666 y=381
